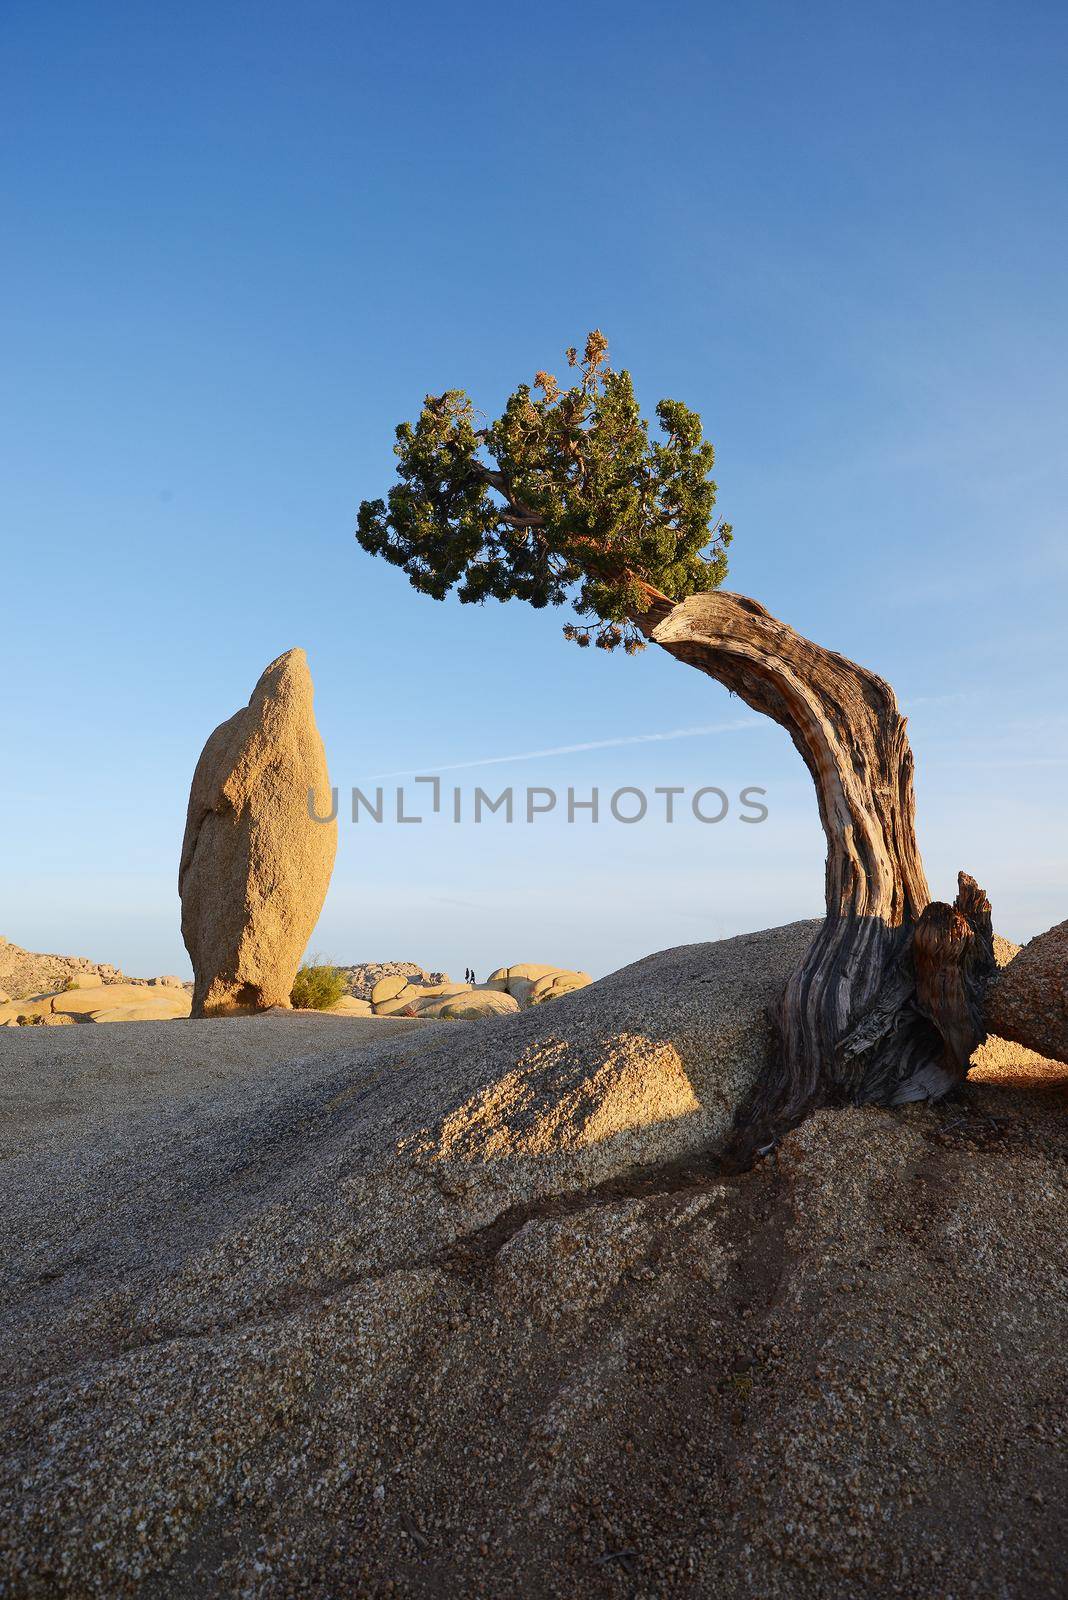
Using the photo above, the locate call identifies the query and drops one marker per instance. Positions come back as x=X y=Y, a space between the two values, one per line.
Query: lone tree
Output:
x=570 y=496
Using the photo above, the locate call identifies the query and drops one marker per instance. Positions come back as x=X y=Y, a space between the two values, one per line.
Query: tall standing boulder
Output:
x=255 y=864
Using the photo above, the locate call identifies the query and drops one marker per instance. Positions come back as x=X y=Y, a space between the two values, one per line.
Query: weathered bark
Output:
x=886 y=1005
x=953 y=959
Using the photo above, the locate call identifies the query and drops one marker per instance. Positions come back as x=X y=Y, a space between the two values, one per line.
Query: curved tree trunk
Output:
x=886 y=1005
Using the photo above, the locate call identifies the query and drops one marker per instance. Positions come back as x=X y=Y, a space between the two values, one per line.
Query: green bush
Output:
x=317 y=986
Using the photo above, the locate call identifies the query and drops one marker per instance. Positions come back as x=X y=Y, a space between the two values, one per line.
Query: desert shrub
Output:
x=317 y=986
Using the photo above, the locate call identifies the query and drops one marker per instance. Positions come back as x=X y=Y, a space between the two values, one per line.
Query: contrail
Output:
x=576 y=749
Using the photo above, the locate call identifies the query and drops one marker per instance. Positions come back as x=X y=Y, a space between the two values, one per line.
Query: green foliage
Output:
x=317 y=986
x=566 y=496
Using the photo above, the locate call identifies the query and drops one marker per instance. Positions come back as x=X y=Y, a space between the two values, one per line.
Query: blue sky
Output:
x=243 y=241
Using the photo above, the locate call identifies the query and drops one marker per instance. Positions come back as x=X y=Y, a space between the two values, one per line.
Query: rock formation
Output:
x=255 y=865
x=361 y=978
x=350 y=1006
x=83 y=1000
x=530 y=983
x=25 y=972
x=471 y=1006
x=474 y=1312
x=1028 y=1000
x=410 y=993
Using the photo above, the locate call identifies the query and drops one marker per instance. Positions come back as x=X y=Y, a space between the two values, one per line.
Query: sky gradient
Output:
x=243 y=241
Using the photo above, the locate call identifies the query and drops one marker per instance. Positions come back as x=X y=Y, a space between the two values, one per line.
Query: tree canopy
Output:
x=568 y=496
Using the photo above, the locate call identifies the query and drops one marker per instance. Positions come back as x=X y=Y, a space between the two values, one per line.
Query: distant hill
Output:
x=26 y=972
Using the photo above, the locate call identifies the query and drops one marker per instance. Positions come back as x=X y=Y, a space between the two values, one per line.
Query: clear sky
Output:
x=242 y=241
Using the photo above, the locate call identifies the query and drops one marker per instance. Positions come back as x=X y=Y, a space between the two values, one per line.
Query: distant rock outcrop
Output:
x=530 y=983
x=26 y=972
x=1028 y=1001
x=470 y=1006
x=85 y=999
x=255 y=865
x=403 y=989
x=27 y=975
x=360 y=979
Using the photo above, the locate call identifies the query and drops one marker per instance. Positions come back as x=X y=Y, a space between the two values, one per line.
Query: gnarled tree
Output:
x=569 y=496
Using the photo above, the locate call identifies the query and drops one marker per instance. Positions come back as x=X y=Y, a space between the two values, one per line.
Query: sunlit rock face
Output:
x=1028 y=1001
x=90 y=1000
x=255 y=864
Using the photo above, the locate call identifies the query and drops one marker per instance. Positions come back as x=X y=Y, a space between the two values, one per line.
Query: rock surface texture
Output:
x=473 y=1311
x=1028 y=1001
x=255 y=866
